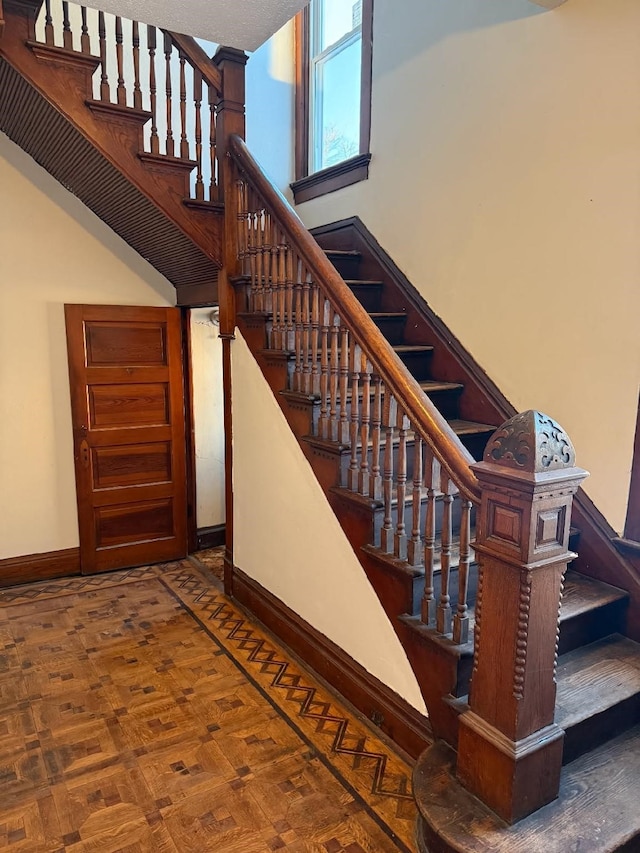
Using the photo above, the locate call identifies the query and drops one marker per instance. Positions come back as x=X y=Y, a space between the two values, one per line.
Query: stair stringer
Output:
x=140 y=201
x=435 y=661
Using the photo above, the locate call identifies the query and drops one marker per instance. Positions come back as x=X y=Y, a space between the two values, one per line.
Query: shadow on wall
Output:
x=84 y=217
x=425 y=23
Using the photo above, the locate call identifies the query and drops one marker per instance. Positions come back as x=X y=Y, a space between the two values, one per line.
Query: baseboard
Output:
x=210 y=537
x=39 y=567
x=406 y=726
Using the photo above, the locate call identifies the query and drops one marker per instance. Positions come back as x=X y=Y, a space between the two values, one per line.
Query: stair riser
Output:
x=392 y=328
x=348 y=267
x=417 y=363
x=600 y=728
x=592 y=625
x=368 y=295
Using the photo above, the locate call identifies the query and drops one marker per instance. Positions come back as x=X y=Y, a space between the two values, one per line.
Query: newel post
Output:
x=509 y=748
x=230 y=112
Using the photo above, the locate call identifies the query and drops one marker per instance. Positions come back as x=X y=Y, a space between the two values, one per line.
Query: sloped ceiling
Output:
x=244 y=24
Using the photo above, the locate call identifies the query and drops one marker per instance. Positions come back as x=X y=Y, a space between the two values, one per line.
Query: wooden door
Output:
x=127 y=402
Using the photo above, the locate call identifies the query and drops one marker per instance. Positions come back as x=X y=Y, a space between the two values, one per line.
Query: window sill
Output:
x=334 y=178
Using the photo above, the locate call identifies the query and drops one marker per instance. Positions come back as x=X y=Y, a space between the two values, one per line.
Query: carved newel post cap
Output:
x=532 y=443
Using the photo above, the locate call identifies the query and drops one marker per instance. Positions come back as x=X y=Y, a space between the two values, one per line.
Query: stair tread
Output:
x=379 y=314
x=462 y=427
x=412 y=348
x=596 y=677
x=343 y=253
x=366 y=282
x=582 y=594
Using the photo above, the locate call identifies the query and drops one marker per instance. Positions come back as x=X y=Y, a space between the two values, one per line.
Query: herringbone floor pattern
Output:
x=142 y=712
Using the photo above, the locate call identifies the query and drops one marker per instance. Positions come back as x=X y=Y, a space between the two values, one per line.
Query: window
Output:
x=333 y=96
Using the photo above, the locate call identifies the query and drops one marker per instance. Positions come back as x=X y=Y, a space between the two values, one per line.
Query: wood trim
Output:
x=302 y=32
x=301 y=47
x=334 y=178
x=228 y=463
x=406 y=726
x=211 y=537
x=189 y=429
x=632 y=522
x=39 y=567
x=366 y=74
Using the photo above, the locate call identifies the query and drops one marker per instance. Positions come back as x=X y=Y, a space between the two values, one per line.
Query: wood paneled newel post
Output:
x=510 y=749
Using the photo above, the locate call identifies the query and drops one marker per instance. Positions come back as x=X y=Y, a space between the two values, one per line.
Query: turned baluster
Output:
x=137 y=91
x=334 y=378
x=364 y=477
x=267 y=247
x=48 y=24
x=105 y=92
x=121 y=90
x=184 y=142
x=168 y=49
x=400 y=538
x=354 y=464
x=443 y=622
x=251 y=250
x=67 y=35
x=258 y=224
x=85 y=41
x=280 y=275
x=323 y=423
x=197 y=100
x=343 y=425
x=307 y=369
x=291 y=325
x=461 y=618
x=375 y=486
x=414 y=546
x=315 y=338
x=389 y=413
x=299 y=308
x=275 y=287
x=213 y=188
x=432 y=475
x=151 y=45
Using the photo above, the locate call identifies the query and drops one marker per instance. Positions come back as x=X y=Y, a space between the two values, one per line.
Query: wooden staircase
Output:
x=412 y=526
x=391 y=413
x=107 y=149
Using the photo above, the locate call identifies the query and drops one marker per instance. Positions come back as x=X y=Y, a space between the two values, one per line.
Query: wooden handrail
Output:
x=425 y=417
x=198 y=59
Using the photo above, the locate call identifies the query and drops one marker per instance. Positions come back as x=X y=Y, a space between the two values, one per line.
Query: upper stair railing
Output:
x=403 y=452
x=166 y=77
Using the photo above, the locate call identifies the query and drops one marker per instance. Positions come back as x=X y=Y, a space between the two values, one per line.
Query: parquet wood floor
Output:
x=142 y=712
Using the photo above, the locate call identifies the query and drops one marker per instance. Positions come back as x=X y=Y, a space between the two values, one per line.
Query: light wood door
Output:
x=127 y=401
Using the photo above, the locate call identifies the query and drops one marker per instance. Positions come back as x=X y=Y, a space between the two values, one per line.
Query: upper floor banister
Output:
x=164 y=80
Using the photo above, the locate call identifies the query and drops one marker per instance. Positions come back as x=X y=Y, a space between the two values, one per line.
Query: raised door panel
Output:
x=125 y=368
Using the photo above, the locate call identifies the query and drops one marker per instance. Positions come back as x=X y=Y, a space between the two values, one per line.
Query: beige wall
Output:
x=52 y=250
x=287 y=537
x=206 y=353
x=505 y=182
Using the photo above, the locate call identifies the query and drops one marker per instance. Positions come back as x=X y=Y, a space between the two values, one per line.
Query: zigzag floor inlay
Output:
x=142 y=712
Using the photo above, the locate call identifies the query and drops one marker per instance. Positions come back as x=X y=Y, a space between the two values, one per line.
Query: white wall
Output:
x=309 y=566
x=52 y=250
x=505 y=182
x=206 y=353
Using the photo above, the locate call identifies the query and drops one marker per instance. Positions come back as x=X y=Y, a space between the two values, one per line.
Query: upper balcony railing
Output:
x=166 y=75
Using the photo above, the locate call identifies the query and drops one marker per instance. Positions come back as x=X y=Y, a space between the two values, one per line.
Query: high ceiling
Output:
x=244 y=24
